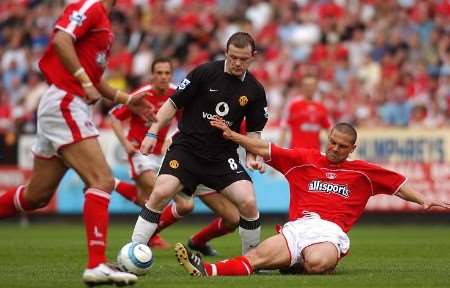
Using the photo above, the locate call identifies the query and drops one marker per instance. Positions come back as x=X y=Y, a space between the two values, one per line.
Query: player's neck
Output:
x=161 y=91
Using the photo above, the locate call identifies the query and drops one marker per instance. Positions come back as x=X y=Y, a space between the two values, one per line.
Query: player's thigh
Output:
x=180 y=164
x=272 y=253
x=87 y=158
x=242 y=194
x=166 y=186
x=222 y=207
x=146 y=181
x=47 y=173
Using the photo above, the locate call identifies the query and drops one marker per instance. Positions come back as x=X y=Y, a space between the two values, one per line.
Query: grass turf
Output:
x=53 y=255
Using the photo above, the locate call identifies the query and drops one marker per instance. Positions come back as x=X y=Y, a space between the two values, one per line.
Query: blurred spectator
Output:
x=378 y=62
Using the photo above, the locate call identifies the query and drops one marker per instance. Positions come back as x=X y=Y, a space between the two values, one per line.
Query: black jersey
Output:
x=209 y=91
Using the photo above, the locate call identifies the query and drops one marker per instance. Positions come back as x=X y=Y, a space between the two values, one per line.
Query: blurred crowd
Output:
x=379 y=62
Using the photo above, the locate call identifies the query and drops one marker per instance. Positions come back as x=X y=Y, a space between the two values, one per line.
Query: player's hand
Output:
x=430 y=203
x=130 y=149
x=256 y=165
x=147 y=145
x=141 y=107
x=219 y=123
x=91 y=95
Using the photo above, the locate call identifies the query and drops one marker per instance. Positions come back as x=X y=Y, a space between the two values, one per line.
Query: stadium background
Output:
x=383 y=65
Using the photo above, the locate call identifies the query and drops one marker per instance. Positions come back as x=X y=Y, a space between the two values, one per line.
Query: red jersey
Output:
x=305 y=119
x=87 y=22
x=138 y=127
x=337 y=192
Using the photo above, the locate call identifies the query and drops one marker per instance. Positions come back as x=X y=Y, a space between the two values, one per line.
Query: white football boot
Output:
x=106 y=274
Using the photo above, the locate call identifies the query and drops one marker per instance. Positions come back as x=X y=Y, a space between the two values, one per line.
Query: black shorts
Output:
x=192 y=170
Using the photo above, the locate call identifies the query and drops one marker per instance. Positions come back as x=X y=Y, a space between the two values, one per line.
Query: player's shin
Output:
x=96 y=217
x=239 y=266
x=12 y=202
x=250 y=233
x=146 y=225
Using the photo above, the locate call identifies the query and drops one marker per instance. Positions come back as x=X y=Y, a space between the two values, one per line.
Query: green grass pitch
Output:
x=53 y=255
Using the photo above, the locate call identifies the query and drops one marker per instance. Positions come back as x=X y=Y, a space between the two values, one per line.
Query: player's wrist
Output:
x=122 y=97
x=152 y=135
x=82 y=77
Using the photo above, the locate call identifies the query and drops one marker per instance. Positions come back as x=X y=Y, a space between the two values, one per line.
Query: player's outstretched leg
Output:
x=191 y=262
x=107 y=274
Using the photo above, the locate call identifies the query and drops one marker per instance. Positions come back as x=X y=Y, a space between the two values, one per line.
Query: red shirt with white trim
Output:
x=337 y=192
x=305 y=120
x=138 y=127
x=88 y=23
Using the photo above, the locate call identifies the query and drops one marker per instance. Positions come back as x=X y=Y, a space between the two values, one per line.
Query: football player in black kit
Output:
x=199 y=154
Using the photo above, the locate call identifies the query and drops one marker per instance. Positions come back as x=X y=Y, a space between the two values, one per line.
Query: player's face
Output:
x=162 y=74
x=339 y=146
x=309 y=86
x=238 y=59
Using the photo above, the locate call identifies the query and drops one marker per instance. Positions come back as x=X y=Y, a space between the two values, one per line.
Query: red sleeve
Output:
x=284 y=159
x=78 y=18
x=384 y=181
x=121 y=112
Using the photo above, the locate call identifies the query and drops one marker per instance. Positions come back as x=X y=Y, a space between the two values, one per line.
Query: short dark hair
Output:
x=241 y=40
x=161 y=60
x=348 y=129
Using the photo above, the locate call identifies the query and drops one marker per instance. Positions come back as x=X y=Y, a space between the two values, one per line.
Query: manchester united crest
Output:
x=174 y=164
x=243 y=100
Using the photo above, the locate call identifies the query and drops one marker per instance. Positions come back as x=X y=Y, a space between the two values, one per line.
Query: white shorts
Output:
x=63 y=119
x=140 y=163
x=309 y=230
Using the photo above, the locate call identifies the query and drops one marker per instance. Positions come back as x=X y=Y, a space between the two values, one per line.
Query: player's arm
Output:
x=63 y=44
x=163 y=117
x=251 y=158
x=118 y=129
x=135 y=102
x=255 y=145
x=409 y=194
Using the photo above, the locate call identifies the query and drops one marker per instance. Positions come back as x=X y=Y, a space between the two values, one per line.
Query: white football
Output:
x=135 y=258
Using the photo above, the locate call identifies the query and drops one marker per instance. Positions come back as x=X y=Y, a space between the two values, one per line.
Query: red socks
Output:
x=12 y=202
x=238 y=266
x=127 y=190
x=169 y=216
x=95 y=214
x=213 y=230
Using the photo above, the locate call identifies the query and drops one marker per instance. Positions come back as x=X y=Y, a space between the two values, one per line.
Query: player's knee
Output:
x=247 y=207
x=231 y=220
x=318 y=265
x=184 y=207
x=161 y=195
x=101 y=182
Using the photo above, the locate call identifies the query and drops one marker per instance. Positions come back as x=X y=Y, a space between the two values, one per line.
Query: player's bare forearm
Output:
x=254 y=135
x=409 y=194
x=106 y=90
x=118 y=130
x=65 y=49
x=163 y=117
x=252 y=145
